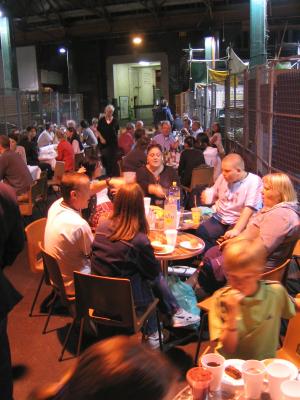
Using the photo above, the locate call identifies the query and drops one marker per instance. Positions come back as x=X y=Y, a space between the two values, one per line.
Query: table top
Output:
x=179 y=252
x=223 y=394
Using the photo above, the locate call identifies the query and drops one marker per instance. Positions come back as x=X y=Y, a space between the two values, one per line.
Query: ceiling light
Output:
x=137 y=40
x=144 y=63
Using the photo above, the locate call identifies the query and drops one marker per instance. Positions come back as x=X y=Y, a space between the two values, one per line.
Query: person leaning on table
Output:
x=245 y=316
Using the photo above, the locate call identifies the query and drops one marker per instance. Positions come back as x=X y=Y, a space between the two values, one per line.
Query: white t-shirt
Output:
x=231 y=198
x=211 y=157
x=68 y=238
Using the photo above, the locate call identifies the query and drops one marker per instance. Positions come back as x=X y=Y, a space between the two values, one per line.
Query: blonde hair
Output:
x=282 y=184
x=240 y=254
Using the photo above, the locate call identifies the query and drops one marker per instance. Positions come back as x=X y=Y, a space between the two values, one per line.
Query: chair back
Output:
x=79 y=158
x=291 y=344
x=59 y=170
x=35 y=234
x=108 y=300
x=296 y=251
x=52 y=270
x=277 y=274
x=202 y=175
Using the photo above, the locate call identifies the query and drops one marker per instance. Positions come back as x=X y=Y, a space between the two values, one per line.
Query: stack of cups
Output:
x=214 y=363
x=277 y=373
x=253 y=374
x=290 y=390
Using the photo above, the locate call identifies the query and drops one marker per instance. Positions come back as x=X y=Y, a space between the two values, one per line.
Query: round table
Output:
x=179 y=252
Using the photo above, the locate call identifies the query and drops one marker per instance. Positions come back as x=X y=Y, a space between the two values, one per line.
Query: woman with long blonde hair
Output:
x=121 y=248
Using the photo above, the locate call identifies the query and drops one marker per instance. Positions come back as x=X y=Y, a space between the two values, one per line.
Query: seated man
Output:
x=236 y=194
x=165 y=138
x=245 y=317
x=13 y=169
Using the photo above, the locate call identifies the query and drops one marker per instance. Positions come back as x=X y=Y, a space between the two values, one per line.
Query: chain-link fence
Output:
x=263 y=119
x=20 y=109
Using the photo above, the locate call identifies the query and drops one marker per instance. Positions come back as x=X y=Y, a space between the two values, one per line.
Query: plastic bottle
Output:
x=174 y=195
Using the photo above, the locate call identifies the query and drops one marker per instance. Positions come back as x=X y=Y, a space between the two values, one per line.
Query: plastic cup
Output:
x=199 y=380
x=147 y=201
x=171 y=236
x=178 y=216
x=214 y=363
x=209 y=195
x=277 y=373
x=290 y=390
x=129 y=176
x=196 y=215
x=253 y=374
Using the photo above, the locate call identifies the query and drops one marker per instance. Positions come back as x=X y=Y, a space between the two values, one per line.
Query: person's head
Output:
x=155 y=156
x=93 y=167
x=166 y=128
x=128 y=213
x=117 y=368
x=109 y=110
x=75 y=190
x=61 y=135
x=139 y=125
x=202 y=141
x=4 y=143
x=244 y=262
x=186 y=123
x=143 y=142
x=71 y=123
x=130 y=127
x=13 y=141
x=70 y=132
x=31 y=132
x=84 y=124
x=233 y=167
x=215 y=127
x=277 y=188
x=189 y=142
x=138 y=133
x=195 y=125
x=95 y=121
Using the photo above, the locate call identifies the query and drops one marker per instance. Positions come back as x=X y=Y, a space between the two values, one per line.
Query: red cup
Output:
x=199 y=380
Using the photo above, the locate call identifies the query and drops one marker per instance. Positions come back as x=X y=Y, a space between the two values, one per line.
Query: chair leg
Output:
x=36 y=294
x=80 y=337
x=66 y=340
x=159 y=332
x=201 y=329
x=49 y=314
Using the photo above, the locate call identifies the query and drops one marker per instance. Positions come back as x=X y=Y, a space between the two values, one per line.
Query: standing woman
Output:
x=108 y=127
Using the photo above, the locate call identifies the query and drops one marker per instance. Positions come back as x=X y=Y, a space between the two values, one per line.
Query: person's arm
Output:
x=156 y=190
x=181 y=166
x=148 y=265
x=97 y=186
x=240 y=224
x=76 y=146
x=229 y=336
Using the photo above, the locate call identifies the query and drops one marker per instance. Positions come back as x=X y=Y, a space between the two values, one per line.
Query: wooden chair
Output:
x=79 y=158
x=291 y=344
x=58 y=173
x=56 y=281
x=34 y=235
x=201 y=175
x=35 y=197
x=96 y=300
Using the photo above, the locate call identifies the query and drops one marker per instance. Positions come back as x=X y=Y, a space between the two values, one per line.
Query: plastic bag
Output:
x=184 y=294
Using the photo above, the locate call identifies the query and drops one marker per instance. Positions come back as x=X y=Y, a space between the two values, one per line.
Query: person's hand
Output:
x=81 y=170
x=231 y=233
x=232 y=305
x=115 y=184
x=158 y=191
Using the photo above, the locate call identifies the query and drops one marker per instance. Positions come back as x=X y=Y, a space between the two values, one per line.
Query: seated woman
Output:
x=121 y=248
x=277 y=225
x=74 y=139
x=155 y=178
x=215 y=138
x=190 y=158
x=115 y=368
x=211 y=154
x=65 y=151
x=136 y=158
x=13 y=141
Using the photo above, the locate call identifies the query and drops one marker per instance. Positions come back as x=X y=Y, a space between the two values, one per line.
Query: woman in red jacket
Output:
x=65 y=151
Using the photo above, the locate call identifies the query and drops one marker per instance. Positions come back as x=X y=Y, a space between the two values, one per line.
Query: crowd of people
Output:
x=99 y=226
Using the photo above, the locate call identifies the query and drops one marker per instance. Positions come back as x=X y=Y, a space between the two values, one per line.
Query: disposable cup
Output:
x=199 y=380
x=290 y=390
x=147 y=201
x=178 y=216
x=208 y=195
x=171 y=236
x=214 y=363
x=196 y=215
x=277 y=373
x=129 y=177
x=253 y=374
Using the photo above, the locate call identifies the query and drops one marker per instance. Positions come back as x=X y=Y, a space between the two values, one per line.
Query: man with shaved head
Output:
x=236 y=195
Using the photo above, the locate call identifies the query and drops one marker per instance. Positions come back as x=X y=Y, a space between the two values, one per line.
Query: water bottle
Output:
x=174 y=195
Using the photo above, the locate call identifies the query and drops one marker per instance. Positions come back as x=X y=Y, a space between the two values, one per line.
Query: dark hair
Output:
x=4 y=141
x=189 y=141
x=14 y=136
x=90 y=165
x=84 y=124
x=115 y=368
x=152 y=146
x=71 y=181
x=143 y=142
x=203 y=141
x=128 y=213
x=47 y=126
x=138 y=133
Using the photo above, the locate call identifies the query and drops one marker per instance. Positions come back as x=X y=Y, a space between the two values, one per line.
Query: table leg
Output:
x=164 y=267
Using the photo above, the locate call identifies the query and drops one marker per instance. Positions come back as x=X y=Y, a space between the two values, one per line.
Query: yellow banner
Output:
x=220 y=77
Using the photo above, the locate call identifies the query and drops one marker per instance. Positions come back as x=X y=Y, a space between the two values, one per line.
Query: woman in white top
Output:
x=211 y=154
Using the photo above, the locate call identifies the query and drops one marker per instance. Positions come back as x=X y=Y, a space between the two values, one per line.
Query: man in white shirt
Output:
x=237 y=195
x=45 y=138
x=68 y=237
x=196 y=128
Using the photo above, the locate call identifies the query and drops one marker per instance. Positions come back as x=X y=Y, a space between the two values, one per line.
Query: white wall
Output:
x=27 y=68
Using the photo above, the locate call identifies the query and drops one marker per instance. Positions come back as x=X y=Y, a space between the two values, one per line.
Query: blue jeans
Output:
x=210 y=231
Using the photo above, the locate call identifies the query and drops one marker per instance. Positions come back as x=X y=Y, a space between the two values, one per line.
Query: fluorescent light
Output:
x=137 y=40
x=144 y=63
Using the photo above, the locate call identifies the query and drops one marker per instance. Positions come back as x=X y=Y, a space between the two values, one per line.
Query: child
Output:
x=245 y=317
